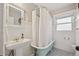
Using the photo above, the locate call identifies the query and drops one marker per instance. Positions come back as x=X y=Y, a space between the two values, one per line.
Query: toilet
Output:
x=76 y=48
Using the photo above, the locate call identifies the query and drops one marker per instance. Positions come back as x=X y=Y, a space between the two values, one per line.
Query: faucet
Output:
x=17 y=39
x=22 y=37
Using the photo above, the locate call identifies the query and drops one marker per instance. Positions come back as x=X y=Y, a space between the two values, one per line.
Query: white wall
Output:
x=27 y=29
x=1 y=29
x=77 y=27
x=60 y=36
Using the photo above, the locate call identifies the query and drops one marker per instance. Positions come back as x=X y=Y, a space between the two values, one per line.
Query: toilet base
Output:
x=77 y=53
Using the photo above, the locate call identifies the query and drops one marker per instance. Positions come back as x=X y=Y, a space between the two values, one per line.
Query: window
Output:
x=64 y=24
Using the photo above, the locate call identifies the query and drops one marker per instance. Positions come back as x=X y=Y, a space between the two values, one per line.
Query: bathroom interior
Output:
x=39 y=29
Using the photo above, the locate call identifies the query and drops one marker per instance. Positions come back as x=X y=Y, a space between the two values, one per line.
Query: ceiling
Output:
x=54 y=6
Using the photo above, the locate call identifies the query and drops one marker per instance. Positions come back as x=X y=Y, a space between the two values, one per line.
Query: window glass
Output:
x=64 y=27
x=64 y=20
x=64 y=24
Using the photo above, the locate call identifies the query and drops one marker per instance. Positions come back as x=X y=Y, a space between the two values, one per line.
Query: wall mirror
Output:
x=15 y=15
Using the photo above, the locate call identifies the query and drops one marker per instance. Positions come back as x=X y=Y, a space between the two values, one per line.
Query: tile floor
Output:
x=59 y=52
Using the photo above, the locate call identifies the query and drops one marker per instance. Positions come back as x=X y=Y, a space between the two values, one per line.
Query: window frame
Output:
x=64 y=23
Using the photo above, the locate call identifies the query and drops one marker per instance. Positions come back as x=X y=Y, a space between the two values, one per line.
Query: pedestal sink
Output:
x=17 y=45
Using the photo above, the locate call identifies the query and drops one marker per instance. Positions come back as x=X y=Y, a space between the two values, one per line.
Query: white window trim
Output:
x=65 y=14
x=65 y=23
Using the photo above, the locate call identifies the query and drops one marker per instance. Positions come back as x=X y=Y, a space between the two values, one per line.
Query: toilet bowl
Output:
x=77 y=48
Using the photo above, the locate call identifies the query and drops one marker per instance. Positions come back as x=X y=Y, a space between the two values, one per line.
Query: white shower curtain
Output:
x=42 y=27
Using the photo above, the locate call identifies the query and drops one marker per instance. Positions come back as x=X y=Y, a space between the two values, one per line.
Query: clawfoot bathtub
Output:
x=42 y=51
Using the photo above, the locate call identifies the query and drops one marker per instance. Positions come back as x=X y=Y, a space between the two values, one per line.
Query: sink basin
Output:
x=17 y=44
